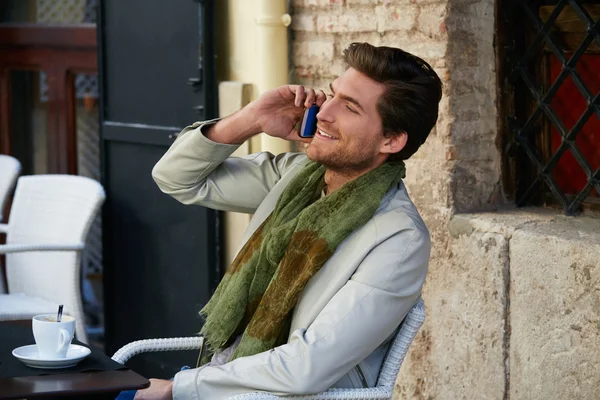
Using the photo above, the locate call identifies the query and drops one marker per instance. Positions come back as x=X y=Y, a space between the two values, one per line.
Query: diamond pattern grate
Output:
x=523 y=127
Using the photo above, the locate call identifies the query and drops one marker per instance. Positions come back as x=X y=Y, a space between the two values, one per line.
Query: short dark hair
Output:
x=412 y=91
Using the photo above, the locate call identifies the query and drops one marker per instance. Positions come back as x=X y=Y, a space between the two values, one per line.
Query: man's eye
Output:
x=351 y=109
x=329 y=95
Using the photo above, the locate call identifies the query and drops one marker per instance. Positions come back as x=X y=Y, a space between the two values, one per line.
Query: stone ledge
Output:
x=534 y=221
x=551 y=298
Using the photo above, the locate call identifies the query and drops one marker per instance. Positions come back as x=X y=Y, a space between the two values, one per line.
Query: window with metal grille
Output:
x=549 y=69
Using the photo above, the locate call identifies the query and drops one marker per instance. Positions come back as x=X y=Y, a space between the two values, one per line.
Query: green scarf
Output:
x=261 y=287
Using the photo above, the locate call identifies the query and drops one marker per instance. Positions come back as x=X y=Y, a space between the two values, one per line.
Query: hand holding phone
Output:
x=308 y=128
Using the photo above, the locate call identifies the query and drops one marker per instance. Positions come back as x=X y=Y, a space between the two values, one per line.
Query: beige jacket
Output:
x=348 y=311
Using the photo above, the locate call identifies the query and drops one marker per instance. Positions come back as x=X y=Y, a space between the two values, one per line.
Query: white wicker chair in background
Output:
x=10 y=168
x=49 y=220
x=382 y=391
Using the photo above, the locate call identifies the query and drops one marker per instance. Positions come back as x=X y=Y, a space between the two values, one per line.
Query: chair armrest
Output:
x=3 y=228
x=375 y=393
x=151 y=345
x=26 y=247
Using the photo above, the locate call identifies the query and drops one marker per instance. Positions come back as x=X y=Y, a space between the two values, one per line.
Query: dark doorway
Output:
x=161 y=257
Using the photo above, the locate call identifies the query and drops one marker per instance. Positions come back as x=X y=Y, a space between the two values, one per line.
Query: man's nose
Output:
x=326 y=112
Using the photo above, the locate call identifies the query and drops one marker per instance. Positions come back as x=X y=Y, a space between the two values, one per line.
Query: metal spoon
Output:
x=59 y=316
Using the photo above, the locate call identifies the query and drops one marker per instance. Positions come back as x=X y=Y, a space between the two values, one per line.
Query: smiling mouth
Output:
x=326 y=135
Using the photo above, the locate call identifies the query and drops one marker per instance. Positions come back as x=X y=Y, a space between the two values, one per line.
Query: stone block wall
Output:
x=541 y=296
x=555 y=311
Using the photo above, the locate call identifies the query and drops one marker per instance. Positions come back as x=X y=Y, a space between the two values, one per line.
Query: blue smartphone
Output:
x=309 y=122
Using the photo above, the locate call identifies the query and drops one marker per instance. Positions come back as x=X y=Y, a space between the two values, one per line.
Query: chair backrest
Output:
x=51 y=209
x=10 y=168
x=399 y=347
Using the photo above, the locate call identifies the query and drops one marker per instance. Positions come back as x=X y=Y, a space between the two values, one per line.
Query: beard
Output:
x=342 y=160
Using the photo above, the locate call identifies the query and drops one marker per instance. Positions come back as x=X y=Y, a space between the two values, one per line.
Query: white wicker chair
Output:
x=10 y=168
x=49 y=220
x=382 y=391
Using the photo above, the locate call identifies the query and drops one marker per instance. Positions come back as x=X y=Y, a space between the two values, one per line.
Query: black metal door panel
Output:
x=151 y=49
x=161 y=257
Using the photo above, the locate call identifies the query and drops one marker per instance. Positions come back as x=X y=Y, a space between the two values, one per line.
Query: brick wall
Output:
x=456 y=170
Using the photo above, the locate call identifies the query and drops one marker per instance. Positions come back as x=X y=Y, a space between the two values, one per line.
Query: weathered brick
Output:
x=317 y=50
x=399 y=2
x=327 y=69
x=373 y=3
x=317 y=3
x=396 y=18
x=431 y=19
x=417 y=43
x=303 y=22
x=348 y=21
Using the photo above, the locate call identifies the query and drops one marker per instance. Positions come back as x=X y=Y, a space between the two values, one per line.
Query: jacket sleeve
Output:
x=196 y=170
x=351 y=326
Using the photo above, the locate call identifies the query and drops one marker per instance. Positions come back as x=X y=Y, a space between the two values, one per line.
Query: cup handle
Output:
x=64 y=341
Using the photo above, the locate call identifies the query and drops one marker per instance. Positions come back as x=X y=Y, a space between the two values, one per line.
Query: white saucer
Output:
x=29 y=356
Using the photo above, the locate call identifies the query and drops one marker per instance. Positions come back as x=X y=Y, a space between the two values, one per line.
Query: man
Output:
x=336 y=253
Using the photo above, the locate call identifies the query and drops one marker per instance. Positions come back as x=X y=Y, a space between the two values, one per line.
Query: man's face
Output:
x=349 y=132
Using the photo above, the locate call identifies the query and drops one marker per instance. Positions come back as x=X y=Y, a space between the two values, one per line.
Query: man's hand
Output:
x=276 y=113
x=159 y=389
x=279 y=110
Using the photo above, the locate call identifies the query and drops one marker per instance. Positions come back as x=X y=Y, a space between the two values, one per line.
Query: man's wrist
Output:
x=170 y=390
x=234 y=129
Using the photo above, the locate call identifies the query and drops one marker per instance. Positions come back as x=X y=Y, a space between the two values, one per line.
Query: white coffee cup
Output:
x=53 y=338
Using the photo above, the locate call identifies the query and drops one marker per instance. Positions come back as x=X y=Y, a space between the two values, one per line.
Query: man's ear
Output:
x=394 y=143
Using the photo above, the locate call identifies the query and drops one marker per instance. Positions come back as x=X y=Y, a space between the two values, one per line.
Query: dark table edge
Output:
x=65 y=393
